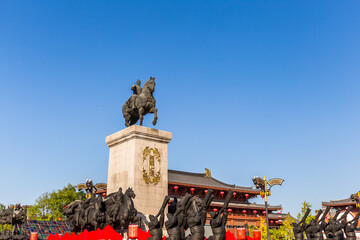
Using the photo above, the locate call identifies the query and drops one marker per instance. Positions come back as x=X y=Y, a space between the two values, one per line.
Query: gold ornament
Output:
x=150 y=173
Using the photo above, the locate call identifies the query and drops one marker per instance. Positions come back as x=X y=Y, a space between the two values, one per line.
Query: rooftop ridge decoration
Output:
x=207 y=173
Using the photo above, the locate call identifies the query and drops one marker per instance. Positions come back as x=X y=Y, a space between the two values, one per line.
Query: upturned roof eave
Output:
x=225 y=186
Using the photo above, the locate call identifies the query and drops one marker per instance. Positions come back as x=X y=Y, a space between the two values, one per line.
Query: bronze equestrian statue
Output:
x=350 y=228
x=116 y=210
x=337 y=229
x=218 y=222
x=309 y=231
x=319 y=226
x=175 y=225
x=329 y=227
x=140 y=103
x=156 y=225
x=299 y=228
x=196 y=215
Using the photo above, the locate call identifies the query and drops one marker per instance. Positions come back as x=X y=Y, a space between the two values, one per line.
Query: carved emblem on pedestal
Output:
x=151 y=165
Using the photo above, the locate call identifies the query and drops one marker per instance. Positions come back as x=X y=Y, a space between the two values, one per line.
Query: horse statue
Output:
x=127 y=213
x=113 y=203
x=88 y=214
x=196 y=215
x=73 y=213
x=95 y=214
x=140 y=103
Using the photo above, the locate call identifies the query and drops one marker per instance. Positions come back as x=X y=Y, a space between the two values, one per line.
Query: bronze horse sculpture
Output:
x=128 y=213
x=116 y=210
x=140 y=103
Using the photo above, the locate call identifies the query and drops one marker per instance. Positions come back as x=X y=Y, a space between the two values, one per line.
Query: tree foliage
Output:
x=263 y=228
x=284 y=232
x=49 y=206
x=304 y=207
x=4 y=226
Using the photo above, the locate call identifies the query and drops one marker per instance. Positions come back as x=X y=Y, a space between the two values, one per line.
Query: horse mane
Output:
x=148 y=82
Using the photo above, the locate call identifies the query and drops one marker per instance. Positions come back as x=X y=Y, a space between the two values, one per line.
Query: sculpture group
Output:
x=16 y=216
x=117 y=210
x=335 y=228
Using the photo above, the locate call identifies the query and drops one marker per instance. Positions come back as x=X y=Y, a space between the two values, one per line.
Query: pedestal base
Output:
x=138 y=159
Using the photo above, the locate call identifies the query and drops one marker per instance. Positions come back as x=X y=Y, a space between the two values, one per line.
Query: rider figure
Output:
x=136 y=92
x=118 y=200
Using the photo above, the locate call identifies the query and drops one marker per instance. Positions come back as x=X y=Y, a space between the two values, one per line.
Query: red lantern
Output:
x=255 y=212
x=192 y=190
x=279 y=216
x=257 y=234
x=133 y=231
x=234 y=194
x=215 y=209
x=230 y=210
x=243 y=211
x=279 y=212
x=205 y=191
x=271 y=221
x=280 y=221
x=33 y=236
x=176 y=188
x=104 y=194
x=246 y=195
x=241 y=233
x=222 y=193
x=276 y=222
x=264 y=212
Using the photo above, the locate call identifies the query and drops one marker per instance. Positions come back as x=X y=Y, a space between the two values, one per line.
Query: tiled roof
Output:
x=247 y=205
x=199 y=179
x=339 y=202
x=276 y=216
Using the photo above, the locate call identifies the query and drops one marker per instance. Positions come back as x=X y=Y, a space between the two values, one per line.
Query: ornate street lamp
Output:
x=265 y=192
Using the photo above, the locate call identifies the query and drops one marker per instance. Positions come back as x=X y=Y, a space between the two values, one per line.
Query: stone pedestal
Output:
x=138 y=159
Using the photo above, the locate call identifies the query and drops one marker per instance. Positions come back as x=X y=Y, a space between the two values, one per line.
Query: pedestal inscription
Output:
x=138 y=159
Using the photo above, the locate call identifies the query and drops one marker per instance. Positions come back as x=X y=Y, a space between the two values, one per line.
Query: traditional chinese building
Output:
x=241 y=211
x=342 y=204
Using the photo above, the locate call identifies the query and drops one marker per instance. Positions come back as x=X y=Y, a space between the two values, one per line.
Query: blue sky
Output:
x=246 y=87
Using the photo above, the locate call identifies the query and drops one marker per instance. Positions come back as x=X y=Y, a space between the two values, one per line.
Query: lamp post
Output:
x=265 y=192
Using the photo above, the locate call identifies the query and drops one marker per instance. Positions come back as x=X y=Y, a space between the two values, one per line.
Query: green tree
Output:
x=304 y=207
x=284 y=232
x=4 y=226
x=49 y=206
x=263 y=228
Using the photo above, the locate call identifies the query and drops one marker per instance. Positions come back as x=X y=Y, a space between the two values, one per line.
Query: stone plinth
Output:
x=138 y=159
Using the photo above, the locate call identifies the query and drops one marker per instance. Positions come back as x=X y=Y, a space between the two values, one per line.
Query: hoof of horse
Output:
x=154 y=122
